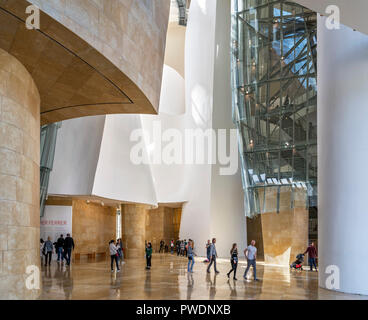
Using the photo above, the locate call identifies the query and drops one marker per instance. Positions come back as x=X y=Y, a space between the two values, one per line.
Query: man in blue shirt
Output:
x=251 y=253
x=213 y=256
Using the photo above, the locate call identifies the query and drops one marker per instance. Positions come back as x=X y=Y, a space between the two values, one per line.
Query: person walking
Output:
x=251 y=253
x=213 y=256
x=148 y=255
x=191 y=254
x=172 y=246
x=208 y=250
x=59 y=248
x=312 y=256
x=233 y=260
x=68 y=248
x=48 y=248
x=114 y=256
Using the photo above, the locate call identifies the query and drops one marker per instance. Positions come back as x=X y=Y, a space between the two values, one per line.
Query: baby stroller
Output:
x=297 y=264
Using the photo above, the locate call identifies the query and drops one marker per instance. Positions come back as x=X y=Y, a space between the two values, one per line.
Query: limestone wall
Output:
x=280 y=236
x=94 y=226
x=19 y=178
x=130 y=33
x=162 y=224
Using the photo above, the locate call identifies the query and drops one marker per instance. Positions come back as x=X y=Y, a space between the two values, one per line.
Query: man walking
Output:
x=68 y=247
x=59 y=248
x=312 y=255
x=251 y=253
x=213 y=256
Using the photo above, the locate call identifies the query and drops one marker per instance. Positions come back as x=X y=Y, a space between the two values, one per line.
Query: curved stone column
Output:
x=19 y=178
x=133 y=226
x=342 y=159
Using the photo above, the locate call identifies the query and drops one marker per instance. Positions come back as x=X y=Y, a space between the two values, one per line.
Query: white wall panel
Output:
x=117 y=177
x=76 y=155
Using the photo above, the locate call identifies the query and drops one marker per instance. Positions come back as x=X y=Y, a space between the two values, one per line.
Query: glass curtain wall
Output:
x=274 y=51
x=47 y=151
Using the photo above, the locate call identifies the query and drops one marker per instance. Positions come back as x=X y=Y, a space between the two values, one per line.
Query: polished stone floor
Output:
x=168 y=279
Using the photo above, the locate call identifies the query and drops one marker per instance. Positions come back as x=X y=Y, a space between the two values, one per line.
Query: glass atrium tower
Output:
x=275 y=102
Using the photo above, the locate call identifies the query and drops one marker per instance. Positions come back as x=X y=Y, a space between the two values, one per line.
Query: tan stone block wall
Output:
x=140 y=224
x=162 y=223
x=285 y=234
x=19 y=178
x=133 y=224
x=93 y=227
x=155 y=227
x=254 y=232
x=130 y=33
x=280 y=236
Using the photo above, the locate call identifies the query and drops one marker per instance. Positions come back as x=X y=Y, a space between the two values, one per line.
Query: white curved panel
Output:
x=215 y=202
x=117 y=177
x=171 y=180
x=172 y=99
x=76 y=155
x=199 y=61
x=342 y=153
x=228 y=221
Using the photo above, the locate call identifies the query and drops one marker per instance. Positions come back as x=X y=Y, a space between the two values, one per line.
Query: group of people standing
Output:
x=63 y=249
x=181 y=247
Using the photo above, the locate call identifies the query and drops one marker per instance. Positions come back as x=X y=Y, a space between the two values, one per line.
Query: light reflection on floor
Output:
x=168 y=279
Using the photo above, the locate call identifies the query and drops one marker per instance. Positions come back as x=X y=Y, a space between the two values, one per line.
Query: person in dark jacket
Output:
x=162 y=246
x=59 y=247
x=149 y=255
x=312 y=256
x=68 y=247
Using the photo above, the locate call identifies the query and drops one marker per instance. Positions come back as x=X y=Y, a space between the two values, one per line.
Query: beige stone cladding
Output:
x=19 y=178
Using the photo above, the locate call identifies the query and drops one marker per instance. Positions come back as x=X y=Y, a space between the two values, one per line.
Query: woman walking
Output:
x=148 y=255
x=190 y=256
x=114 y=256
x=234 y=260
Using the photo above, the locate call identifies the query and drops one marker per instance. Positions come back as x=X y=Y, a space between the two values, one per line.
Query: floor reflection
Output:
x=190 y=286
x=169 y=279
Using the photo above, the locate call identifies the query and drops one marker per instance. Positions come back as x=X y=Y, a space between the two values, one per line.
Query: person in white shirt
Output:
x=251 y=253
x=114 y=255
